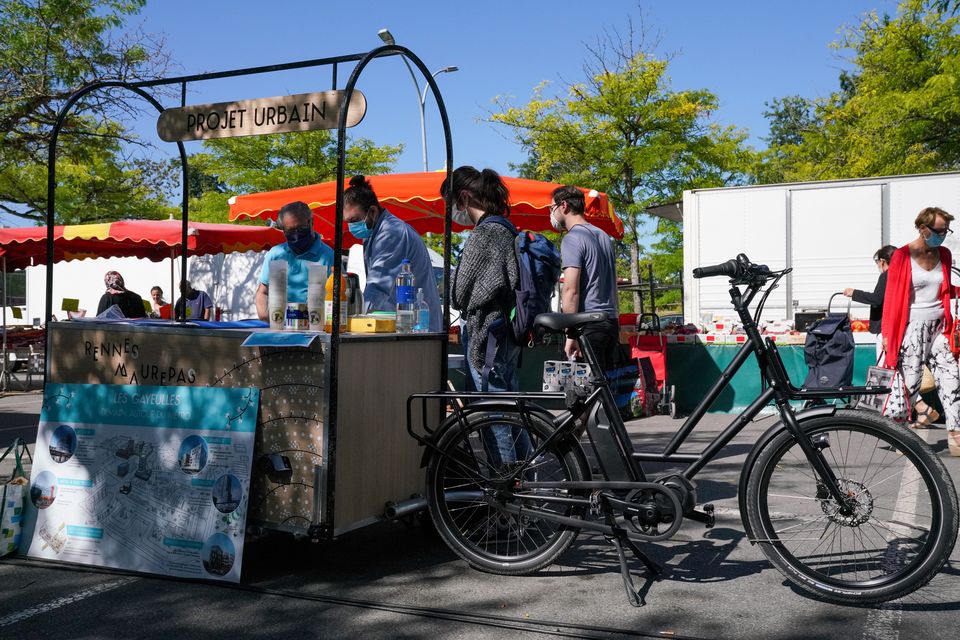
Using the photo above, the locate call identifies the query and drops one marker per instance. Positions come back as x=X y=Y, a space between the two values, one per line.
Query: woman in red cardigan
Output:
x=916 y=320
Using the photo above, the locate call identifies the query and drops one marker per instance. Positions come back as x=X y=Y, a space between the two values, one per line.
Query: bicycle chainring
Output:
x=655 y=512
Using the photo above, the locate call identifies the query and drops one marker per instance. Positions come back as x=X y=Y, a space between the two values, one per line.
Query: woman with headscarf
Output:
x=130 y=304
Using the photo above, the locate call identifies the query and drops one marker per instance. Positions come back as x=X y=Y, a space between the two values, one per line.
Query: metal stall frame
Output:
x=326 y=527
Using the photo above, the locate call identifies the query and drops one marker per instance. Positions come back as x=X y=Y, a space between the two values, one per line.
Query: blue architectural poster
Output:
x=151 y=479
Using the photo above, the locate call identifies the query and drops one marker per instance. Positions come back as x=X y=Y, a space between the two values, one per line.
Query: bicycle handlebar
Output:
x=730 y=268
x=739 y=268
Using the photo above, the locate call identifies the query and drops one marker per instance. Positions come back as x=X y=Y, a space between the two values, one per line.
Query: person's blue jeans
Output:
x=503 y=443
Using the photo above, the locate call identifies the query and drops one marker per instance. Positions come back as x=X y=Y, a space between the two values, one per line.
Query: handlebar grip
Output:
x=729 y=268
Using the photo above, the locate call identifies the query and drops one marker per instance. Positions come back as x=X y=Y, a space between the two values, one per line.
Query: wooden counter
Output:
x=361 y=460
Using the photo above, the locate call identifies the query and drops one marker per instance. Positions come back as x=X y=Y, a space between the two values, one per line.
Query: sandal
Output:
x=953 y=443
x=926 y=418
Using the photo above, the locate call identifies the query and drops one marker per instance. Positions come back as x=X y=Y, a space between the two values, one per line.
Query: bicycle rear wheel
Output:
x=469 y=513
x=895 y=537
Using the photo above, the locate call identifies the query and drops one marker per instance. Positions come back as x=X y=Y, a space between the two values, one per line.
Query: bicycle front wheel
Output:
x=889 y=540
x=469 y=507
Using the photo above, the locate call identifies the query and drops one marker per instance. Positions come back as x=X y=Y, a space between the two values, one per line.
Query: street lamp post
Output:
x=387 y=38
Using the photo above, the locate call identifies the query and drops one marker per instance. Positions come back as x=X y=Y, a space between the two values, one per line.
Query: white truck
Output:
x=826 y=231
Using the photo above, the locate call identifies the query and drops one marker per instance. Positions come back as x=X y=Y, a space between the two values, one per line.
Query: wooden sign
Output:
x=281 y=114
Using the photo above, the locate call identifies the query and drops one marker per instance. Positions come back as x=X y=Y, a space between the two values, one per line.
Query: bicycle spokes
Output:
x=474 y=487
x=877 y=531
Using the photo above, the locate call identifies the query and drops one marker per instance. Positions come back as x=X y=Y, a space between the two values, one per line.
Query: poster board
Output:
x=154 y=479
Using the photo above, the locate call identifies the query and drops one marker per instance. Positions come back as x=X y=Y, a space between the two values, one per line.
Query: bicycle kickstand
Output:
x=618 y=538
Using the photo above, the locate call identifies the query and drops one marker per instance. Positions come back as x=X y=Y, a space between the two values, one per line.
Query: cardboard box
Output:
x=372 y=324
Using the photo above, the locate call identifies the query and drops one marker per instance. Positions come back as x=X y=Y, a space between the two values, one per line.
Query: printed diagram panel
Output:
x=290 y=439
x=152 y=479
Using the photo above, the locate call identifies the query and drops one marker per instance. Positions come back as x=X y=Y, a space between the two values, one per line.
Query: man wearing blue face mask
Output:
x=303 y=245
x=387 y=242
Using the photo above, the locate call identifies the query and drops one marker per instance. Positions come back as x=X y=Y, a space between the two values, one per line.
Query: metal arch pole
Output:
x=173 y=261
x=184 y=215
x=5 y=374
x=52 y=188
x=333 y=357
x=447 y=228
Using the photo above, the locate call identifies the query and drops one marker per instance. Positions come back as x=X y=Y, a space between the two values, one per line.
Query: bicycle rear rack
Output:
x=462 y=402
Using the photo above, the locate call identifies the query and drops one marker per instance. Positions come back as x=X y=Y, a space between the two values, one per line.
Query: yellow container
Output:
x=372 y=324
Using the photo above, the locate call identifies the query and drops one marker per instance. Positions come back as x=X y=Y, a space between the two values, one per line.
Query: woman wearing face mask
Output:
x=303 y=245
x=916 y=319
x=483 y=288
x=387 y=242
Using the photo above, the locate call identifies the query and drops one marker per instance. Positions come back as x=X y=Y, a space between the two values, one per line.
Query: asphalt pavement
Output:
x=394 y=580
x=19 y=415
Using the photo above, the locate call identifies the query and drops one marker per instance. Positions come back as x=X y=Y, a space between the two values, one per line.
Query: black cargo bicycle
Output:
x=848 y=505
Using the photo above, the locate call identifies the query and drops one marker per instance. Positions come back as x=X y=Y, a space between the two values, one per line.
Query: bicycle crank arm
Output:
x=706 y=516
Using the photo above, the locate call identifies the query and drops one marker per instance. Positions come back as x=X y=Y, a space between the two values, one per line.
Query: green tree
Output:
x=790 y=118
x=231 y=166
x=625 y=131
x=897 y=110
x=49 y=48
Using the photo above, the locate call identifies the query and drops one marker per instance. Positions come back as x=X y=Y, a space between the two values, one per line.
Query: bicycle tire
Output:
x=475 y=526
x=898 y=535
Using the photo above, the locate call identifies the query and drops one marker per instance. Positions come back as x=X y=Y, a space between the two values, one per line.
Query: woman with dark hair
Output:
x=916 y=319
x=387 y=242
x=875 y=299
x=129 y=302
x=483 y=291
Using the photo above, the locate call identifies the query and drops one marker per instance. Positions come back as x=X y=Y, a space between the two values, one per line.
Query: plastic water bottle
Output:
x=406 y=298
x=422 y=324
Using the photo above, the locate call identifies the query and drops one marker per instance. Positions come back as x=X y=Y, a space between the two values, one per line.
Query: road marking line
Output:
x=61 y=602
x=883 y=623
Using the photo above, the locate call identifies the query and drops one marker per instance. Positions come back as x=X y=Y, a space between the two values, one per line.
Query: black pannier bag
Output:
x=828 y=351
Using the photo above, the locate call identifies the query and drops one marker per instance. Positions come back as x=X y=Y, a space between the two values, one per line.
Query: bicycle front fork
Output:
x=813 y=450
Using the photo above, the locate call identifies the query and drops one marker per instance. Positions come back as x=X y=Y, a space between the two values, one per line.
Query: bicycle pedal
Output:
x=705 y=516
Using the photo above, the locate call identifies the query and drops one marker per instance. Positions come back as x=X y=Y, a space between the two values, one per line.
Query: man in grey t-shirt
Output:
x=589 y=274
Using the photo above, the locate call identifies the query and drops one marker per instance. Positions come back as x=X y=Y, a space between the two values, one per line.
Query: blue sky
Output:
x=745 y=52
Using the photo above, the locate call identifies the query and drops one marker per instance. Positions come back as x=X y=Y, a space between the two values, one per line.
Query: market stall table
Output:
x=693 y=367
x=311 y=475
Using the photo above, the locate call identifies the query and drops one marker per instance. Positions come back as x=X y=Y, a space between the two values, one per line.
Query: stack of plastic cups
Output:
x=316 y=282
x=277 y=295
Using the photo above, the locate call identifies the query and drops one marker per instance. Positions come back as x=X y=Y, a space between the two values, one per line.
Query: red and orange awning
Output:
x=415 y=198
x=150 y=239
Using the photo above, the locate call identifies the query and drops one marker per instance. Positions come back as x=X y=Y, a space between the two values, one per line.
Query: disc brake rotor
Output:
x=858 y=508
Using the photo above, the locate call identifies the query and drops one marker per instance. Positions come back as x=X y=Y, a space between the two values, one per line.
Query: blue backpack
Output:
x=538 y=263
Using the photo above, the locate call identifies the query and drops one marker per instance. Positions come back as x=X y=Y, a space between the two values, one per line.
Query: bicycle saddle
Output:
x=564 y=321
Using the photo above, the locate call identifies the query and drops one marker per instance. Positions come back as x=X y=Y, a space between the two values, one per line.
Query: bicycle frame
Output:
x=612 y=443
